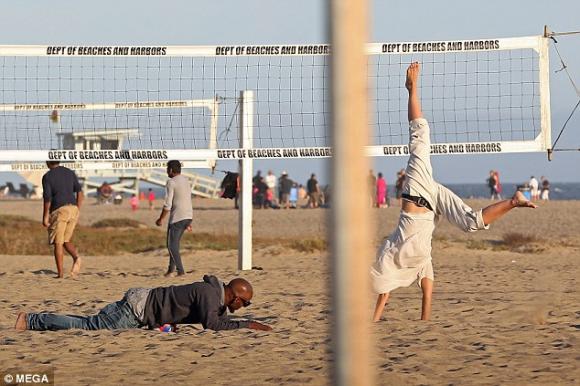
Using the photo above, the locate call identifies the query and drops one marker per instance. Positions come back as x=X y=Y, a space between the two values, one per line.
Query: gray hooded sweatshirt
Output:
x=199 y=302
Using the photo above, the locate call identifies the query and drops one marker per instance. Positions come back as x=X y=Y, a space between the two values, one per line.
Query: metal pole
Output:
x=245 y=170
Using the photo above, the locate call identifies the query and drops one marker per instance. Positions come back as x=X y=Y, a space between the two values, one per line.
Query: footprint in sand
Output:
x=7 y=341
x=561 y=345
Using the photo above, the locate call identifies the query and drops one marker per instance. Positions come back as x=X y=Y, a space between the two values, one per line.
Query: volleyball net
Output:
x=135 y=107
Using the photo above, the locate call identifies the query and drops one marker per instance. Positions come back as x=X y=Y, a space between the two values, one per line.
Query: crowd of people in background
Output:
x=539 y=190
x=533 y=189
x=379 y=191
x=106 y=195
x=284 y=193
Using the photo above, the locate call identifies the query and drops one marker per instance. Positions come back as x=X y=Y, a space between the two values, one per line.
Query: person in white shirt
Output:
x=178 y=206
x=405 y=257
x=271 y=181
x=534 y=188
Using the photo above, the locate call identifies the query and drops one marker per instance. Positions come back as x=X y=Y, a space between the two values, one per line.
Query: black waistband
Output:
x=418 y=200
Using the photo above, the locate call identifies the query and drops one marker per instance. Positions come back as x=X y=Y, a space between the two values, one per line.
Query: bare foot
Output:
x=21 y=322
x=169 y=274
x=520 y=201
x=76 y=268
x=412 y=76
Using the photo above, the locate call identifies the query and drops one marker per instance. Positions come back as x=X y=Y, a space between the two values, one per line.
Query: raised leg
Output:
x=495 y=211
x=419 y=173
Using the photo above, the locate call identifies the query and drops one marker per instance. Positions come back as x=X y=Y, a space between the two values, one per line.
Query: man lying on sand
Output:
x=405 y=256
x=204 y=302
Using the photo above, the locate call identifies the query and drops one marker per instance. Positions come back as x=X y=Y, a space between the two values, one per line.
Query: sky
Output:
x=131 y=22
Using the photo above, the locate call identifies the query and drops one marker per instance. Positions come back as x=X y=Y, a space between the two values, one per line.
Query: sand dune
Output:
x=499 y=317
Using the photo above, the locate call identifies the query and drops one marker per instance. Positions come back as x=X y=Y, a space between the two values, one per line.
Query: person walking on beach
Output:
x=399 y=185
x=491 y=184
x=285 y=184
x=372 y=187
x=534 y=188
x=272 y=182
x=313 y=191
x=260 y=198
x=405 y=257
x=63 y=197
x=498 y=186
x=545 y=193
x=205 y=302
x=381 y=191
x=293 y=196
x=134 y=202
x=151 y=198
x=178 y=206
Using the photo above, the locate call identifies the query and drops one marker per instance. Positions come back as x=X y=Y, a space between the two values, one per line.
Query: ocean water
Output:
x=558 y=191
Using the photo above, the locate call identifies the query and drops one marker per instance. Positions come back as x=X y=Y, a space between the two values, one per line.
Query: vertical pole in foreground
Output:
x=350 y=221
x=245 y=169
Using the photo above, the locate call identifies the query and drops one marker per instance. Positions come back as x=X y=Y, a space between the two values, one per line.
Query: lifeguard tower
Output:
x=121 y=180
x=95 y=140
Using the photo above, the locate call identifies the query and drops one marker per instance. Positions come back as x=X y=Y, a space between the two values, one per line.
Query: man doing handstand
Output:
x=405 y=256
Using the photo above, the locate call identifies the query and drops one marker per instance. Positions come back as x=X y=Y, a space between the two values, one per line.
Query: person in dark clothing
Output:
x=399 y=185
x=63 y=197
x=492 y=184
x=372 y=187
x=261 y=189
x=205 y=302
x=313 y=191
x=257 y=177
x=285 y=184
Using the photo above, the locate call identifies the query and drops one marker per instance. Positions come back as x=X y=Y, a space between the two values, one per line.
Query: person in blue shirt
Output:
x=63 y=197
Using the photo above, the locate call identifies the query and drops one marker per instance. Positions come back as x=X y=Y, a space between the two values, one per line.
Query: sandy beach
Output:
x=502 y=315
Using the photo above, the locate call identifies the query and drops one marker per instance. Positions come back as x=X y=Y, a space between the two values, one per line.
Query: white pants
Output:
x=405 y=256
x=420 y=182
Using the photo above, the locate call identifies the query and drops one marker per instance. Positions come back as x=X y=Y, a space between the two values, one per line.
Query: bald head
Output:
x=242 y=287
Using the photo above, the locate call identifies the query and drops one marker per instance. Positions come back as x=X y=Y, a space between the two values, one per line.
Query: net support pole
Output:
x=350 y=229
x=246 y=171
x=213 y=127
x=544 y=73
